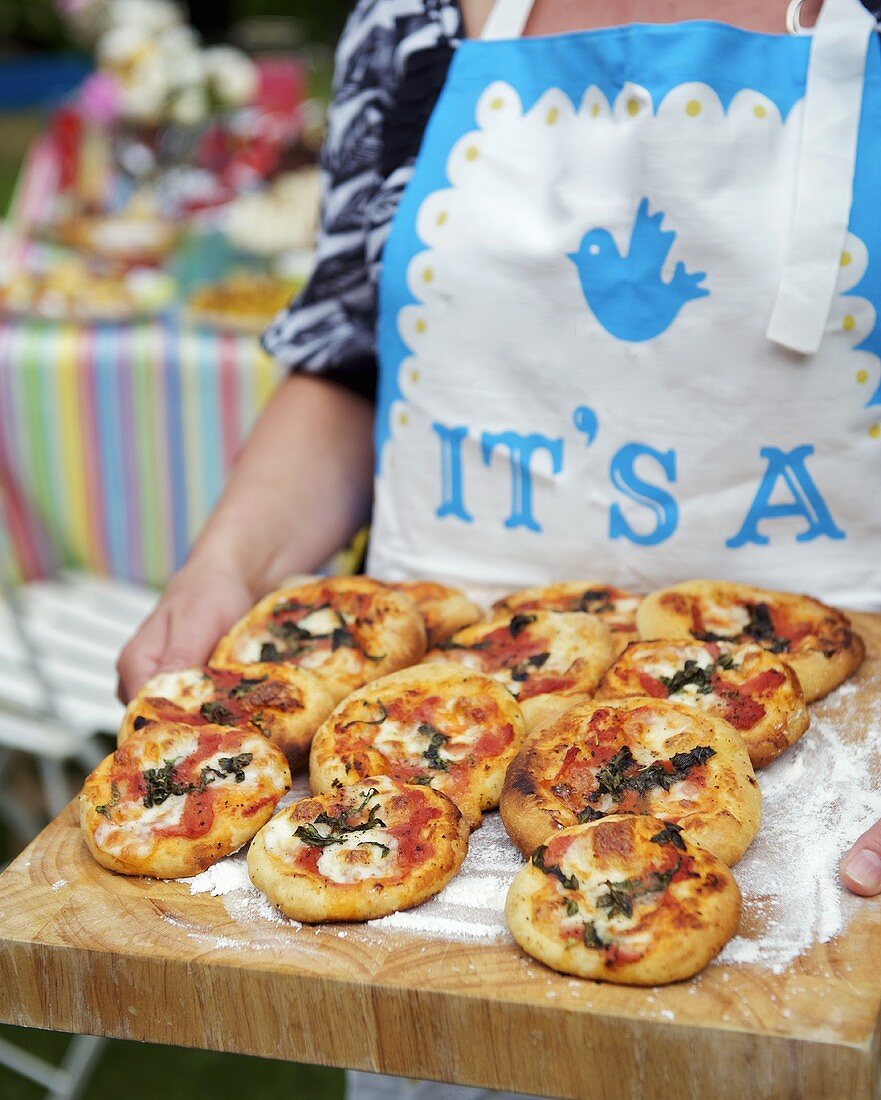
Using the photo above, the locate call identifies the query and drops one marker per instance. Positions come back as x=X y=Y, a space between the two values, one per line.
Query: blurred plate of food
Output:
x=119 y=238
x=243 y=302
x=70 y=290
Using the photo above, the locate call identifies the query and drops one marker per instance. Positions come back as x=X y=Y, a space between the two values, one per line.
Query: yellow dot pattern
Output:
x=552 y=116
x=427 y=275
x=862 y=376
x=595 y=109
x=759 y=111
x=442 y=217
x=693 y=108
x=421 y=326
x=403 y=419
x=849 y=322
x=846 y=259
x=497 y=104
x=875 y=431
x=414 y=375
x=632 y=107
x=472 y=152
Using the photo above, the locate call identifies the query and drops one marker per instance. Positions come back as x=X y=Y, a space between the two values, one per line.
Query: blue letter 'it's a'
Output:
x=521 y=449
x=807 y=502
x=452 y=502
x=658 y=501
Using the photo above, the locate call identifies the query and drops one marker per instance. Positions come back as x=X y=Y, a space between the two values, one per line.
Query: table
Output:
x=115 y=440
x=84 y=950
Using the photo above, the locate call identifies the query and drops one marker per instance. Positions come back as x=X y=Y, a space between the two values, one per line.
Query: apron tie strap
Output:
x=507 y=19
x=824 y=180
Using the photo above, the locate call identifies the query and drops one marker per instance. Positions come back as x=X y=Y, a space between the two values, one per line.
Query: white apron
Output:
x=627 y=321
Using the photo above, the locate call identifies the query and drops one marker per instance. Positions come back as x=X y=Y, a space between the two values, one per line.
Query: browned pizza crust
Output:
x=639 y=756
x=359 y=852
x=444 y=610
x=439 y=725
x=816 y=640
x=629 y=899
x=346 y=631
x=283 y=703
x=547 y=660
x=615 y=606
x=752 y=689
x=175 y=799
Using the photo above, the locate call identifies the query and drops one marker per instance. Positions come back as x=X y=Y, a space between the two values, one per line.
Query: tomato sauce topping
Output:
x=413 y=847
x=652 y=686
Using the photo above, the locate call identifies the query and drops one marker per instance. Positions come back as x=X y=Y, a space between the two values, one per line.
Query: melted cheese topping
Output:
x=323 y=621
x=358 y=857
x=189 y=688
x=649 y=735
x=566 y=643
x=132 y=826
x=727 y=620
x=592 y=885
x=402 y=740
x=135 y=834
x=667 y=663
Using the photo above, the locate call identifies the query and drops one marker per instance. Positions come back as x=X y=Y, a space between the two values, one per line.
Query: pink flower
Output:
x=98 y=99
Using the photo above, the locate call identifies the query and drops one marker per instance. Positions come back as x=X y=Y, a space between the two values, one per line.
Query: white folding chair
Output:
x=58 y=645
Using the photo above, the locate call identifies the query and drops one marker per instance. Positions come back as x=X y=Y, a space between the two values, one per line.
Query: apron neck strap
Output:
x=507 y=19
x=824 y=179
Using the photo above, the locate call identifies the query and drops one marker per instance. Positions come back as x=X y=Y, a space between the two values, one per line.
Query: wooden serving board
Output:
x=85 y=950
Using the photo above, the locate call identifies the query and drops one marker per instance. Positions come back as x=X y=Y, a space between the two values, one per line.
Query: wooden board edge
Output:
x=547 y=1051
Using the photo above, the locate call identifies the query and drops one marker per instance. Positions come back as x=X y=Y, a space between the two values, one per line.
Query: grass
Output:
x=140 y=1071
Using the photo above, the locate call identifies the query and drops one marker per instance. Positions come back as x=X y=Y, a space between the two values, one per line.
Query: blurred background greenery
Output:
x=35 y=24
x=29 y=27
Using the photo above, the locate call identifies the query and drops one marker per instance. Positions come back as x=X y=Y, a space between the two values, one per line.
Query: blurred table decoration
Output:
x=165 y=215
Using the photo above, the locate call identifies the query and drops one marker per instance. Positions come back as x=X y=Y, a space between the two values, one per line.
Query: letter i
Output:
x=452 y=502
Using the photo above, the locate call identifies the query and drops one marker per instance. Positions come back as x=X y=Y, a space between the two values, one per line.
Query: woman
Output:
x=624 y=314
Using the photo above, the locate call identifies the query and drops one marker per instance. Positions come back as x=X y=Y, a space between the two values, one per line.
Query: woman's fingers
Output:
x=860 y=870
x=183 y=629
x=140 y=657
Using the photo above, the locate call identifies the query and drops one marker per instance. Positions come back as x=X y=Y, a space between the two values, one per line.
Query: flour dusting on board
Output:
x=817 y=798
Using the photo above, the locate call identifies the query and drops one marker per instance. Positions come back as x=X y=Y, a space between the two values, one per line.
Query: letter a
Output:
x=806 y=500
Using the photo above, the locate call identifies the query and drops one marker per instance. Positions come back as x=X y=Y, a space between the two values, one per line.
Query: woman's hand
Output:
x=300 y=488
x=198 y=606
x=860 y=870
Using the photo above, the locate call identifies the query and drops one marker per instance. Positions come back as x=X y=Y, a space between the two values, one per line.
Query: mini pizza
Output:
x=444 y=610
x=615 y=606
x=175 y=799
x=752 y=689
x=438 y=725
x=816 y=640
x=359 y=852
x=280 y=701
x=547 y=660
x=634 y=756
x=344 y=630
x=632 y=900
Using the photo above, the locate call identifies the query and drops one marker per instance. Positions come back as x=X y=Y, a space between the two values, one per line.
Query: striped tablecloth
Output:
x=115 y=439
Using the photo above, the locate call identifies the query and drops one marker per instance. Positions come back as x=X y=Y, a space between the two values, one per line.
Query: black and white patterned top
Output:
x=391 y=63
